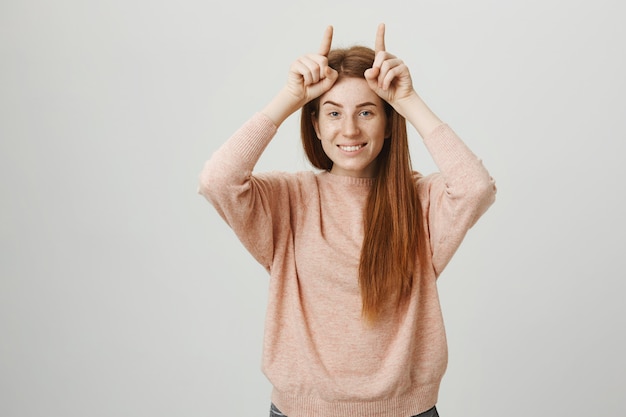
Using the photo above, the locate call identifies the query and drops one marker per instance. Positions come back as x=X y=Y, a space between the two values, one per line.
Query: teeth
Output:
x=351 y=148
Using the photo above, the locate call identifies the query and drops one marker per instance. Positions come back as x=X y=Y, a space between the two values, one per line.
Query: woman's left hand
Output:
x=389 y=76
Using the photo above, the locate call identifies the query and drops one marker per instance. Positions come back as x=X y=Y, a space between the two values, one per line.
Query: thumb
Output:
x=332 y=74
x=371 y=73
x=331 y=77
x=371 y=76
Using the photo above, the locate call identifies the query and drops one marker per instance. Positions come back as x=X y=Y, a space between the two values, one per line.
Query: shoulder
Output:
x=293 y=184
x=287 y=179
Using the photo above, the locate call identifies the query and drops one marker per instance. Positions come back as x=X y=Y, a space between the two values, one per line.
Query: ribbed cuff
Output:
x=251 y=139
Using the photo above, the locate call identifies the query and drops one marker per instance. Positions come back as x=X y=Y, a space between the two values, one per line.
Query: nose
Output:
x=350 y=127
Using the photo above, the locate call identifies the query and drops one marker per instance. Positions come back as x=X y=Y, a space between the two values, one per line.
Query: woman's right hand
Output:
x=309 y=77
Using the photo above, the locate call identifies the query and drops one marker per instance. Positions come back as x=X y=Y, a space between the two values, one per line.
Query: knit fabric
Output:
x=306 y=229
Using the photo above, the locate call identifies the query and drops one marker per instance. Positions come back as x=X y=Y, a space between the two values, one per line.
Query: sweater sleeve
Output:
x=249 y=204
x=458 y=194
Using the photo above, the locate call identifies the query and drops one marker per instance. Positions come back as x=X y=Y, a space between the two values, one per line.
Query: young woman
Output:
x=353 y=326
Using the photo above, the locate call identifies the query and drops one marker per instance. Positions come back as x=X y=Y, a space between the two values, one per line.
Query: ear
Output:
x=316 y=125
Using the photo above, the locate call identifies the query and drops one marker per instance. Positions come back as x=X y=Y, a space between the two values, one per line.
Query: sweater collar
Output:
x=345 y=180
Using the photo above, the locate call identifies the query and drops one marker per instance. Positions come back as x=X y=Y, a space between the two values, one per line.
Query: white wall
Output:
x=123 y=294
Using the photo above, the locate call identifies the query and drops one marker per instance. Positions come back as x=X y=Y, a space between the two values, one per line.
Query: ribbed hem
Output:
x=410 y=404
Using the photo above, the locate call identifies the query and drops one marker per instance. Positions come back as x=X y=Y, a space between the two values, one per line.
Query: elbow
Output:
x=219 y=180
x=484 y=191
x=209 y=179
x=483 y=195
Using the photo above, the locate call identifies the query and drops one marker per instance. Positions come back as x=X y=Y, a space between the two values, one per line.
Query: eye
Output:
x=333 y=114
x=366 y=113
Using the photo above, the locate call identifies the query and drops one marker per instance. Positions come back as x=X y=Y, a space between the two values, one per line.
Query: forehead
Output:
x=351 y=91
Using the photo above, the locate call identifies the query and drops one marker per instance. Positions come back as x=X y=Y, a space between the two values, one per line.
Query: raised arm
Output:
x=390 y=78
x=463 y=189
x=256 y=206
x=309 y=77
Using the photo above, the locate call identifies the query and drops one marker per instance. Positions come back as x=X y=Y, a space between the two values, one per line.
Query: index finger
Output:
x=327 y=40
x=380 y=39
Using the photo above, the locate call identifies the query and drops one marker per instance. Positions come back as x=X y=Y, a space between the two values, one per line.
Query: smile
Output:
x=352 y=148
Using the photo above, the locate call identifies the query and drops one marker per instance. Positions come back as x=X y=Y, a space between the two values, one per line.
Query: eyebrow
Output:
x=332 y=103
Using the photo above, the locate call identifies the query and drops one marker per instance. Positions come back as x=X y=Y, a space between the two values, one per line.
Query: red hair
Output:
x=392 y=248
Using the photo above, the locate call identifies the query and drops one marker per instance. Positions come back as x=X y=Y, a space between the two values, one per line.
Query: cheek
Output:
x=323 y=131
x=324 y=128
x=326 y=146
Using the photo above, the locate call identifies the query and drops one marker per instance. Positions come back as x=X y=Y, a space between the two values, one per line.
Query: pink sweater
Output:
x=306 y=229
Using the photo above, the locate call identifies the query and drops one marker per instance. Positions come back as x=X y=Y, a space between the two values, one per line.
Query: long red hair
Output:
x=392 y=250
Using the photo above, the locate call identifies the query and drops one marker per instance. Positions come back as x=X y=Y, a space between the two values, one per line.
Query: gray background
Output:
x=123 y=294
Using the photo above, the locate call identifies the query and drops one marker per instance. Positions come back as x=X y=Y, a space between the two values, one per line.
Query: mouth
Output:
x=352 y=148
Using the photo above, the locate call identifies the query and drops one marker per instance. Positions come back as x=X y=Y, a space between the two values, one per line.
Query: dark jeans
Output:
x=275 y=412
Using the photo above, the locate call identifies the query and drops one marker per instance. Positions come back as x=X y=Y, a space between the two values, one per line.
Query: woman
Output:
x=353 y=326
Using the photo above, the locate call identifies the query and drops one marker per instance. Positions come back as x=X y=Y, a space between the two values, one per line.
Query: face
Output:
x=352 y=125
